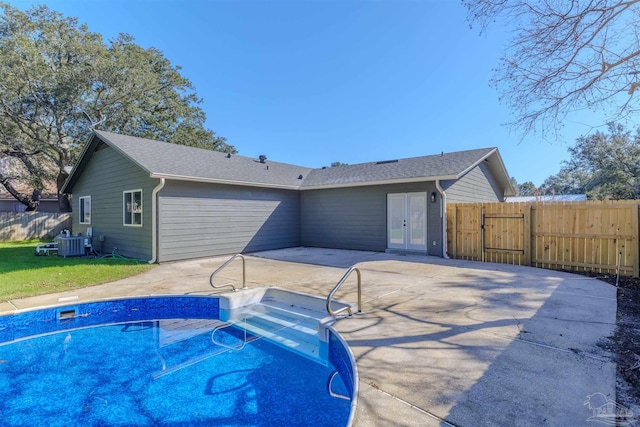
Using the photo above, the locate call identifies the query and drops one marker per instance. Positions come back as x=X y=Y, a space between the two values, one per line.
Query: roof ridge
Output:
x=399 y=159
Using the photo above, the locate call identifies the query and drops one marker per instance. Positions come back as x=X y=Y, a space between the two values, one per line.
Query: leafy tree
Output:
x=607 y=164
x=335 y=164
x=53 y=71
x=515 y=185
x=565 y=56
x=527 y=189
x=566 y=182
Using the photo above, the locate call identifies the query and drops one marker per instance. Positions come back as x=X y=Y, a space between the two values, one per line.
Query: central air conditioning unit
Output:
x=70 y=246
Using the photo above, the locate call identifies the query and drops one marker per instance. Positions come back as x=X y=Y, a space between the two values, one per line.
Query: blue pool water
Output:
x=152 y=362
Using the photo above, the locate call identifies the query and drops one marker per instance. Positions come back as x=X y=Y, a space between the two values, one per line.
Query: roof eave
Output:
x=223 y=181
x=85 y=152
x=379 y=182
x=509 y=190
x=79 y=163
x=499 y=170
x=122 y=152
x=477 y=162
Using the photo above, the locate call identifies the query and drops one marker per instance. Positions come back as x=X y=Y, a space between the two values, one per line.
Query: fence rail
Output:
x=32 y=225
x=579 y=236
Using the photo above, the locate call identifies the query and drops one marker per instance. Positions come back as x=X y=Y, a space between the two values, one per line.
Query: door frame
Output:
x=408 y=221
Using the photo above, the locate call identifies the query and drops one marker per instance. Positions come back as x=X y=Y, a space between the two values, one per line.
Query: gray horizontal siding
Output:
x=356 y=218
x=199 y=220
x=478 y=185
x=435 y=229
x=106 y=176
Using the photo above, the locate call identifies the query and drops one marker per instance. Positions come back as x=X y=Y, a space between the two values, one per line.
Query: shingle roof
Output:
x=440 y=166
x=173 y=161
x=166 y=160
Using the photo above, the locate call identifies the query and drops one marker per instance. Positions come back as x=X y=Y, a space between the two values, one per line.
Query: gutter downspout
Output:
x=443 y=215
x=154 y=221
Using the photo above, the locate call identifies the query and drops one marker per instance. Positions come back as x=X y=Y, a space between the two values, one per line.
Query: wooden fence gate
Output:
x=504 y=237
x=580 y=236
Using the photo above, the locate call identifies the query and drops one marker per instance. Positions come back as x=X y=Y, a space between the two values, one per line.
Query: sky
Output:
x=311 y=82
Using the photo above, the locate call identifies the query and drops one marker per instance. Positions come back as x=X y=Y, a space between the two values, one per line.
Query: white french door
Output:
x=407 y=221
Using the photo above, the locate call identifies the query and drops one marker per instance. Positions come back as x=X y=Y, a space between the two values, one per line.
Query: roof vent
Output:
x=384 y=162
x=228 y=155
x=299 y=176
x=262 y=158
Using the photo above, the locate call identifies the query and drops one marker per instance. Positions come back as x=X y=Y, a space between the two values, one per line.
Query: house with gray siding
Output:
x=163 y=202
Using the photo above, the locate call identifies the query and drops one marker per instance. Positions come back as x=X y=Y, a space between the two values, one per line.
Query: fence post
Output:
x=526 y=234
x=481 y=236
x=454 y=232
x=636 y=240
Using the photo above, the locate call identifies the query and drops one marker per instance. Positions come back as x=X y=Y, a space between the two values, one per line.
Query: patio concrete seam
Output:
x=417 y=408
x=400 y=273
x=586 y=296
x=550 y=347
x=586 y=322
x=388 y=293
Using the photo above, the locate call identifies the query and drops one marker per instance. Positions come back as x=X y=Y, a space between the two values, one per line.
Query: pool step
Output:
x=295 y=331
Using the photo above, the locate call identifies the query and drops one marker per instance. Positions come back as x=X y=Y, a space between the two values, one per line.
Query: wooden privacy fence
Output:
x=32 y=225
x=579 y=236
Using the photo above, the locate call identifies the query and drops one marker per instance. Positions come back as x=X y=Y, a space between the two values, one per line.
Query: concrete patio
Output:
x=439 y=342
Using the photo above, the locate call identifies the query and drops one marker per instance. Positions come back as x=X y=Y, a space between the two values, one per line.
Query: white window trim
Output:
x=81 y=210
x=124 y=207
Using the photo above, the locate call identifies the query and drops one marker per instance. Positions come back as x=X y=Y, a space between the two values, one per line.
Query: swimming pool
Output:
x=163 y=361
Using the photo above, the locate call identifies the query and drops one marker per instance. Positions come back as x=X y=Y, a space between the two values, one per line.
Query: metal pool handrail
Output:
x=244 y=286
x=330 y=387
x=230 y=347
x=335 y=288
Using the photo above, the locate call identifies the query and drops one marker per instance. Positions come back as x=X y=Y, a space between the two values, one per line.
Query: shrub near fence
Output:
x=593 y=236
x=32 y=225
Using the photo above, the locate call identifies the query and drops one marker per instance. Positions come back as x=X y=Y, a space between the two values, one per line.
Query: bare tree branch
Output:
x=29 y=201
x=565 y=57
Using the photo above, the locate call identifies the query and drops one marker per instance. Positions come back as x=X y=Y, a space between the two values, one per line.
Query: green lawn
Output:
x=22 y=274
